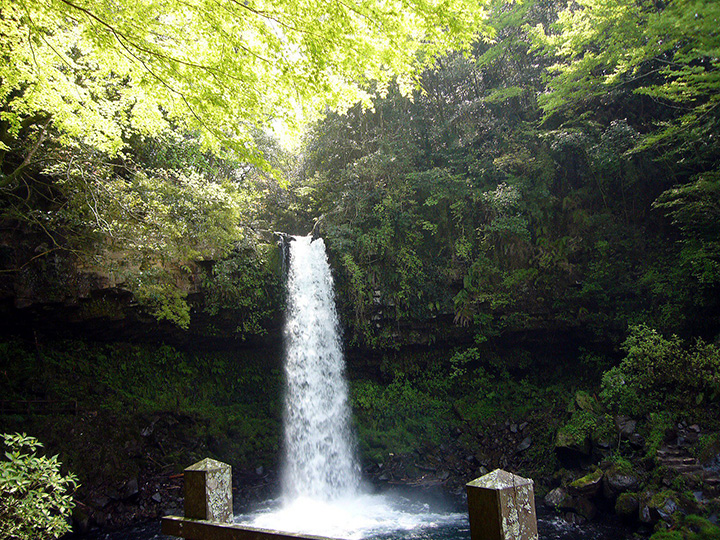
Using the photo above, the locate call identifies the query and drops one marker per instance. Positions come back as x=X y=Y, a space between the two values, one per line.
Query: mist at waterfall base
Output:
x=322 y=490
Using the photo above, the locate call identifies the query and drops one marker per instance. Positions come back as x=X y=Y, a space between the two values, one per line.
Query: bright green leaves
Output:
x=655 y=365
x=35 y=498
x=224 y=68
x=669 y=53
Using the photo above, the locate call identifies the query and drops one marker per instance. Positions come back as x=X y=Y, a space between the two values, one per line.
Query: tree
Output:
x=667 y=51
x=96 y=71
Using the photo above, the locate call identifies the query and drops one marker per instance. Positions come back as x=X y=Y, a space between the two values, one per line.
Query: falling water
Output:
x=321 y=488
x=320 y=458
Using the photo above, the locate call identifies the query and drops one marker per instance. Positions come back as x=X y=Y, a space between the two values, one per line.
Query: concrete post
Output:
x=208 y=491
x=501 y=507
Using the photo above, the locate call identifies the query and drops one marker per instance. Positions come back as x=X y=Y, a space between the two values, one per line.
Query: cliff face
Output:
x=57 y=292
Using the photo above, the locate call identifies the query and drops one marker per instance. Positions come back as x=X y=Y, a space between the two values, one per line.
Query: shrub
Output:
x=35 y=498
x=655 y=369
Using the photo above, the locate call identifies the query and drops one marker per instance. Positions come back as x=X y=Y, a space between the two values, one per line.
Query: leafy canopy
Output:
x=668 y=51
x=101 y=69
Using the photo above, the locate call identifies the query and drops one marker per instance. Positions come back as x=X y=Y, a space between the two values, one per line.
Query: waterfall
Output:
x=321 y=492
x=319 y=461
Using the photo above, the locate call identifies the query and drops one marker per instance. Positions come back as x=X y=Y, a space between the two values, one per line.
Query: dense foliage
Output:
x=36 y=499
x=563 y=175
x=227 y=403
x=530 y=191
x=97 y=71
x=133 y=138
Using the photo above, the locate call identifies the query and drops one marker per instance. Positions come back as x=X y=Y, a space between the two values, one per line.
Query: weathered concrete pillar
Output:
x=501 y=507
x=208 y=491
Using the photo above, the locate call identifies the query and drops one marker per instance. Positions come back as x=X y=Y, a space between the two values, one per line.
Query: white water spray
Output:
x=321 y=492
x=320 y=458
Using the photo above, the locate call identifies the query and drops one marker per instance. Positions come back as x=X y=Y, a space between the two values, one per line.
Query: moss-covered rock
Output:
x=658 y=506
x=588 y=485
x=619 y=478
x=627 y=506
x=572 y=441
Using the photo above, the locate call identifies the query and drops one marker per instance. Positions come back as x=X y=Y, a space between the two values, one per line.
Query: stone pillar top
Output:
x=207 y=464
x=501 y=506
x=499 y=479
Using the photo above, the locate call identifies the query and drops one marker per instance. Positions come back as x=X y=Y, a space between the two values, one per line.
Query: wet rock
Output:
x=625 y=425
x=589 y=485
x=525 y=444
x=130 y=489
x=627 y=505
x=558 y=498
x=574 y=519
x=618 y=481
x=585 y=507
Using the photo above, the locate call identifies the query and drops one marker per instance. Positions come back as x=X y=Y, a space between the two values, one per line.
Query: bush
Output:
x=691 y=528
x=658 y=373
x=35 y=498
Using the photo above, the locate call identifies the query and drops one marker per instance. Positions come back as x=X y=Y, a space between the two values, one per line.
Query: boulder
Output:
x=618 y=480
x=625 y=426
x=657 y=506
x=627 y=506
x=585 y=507
x=588 y=485
x=525 y=444
x=559 y=498
x=574 y=519
x=572 y=443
